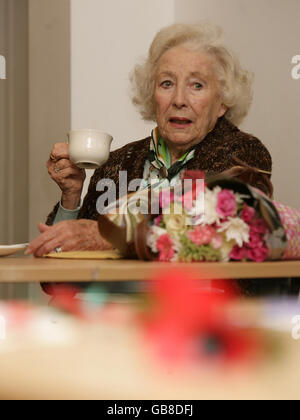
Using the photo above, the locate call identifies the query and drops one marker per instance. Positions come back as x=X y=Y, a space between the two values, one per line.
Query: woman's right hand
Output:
x=67 y=175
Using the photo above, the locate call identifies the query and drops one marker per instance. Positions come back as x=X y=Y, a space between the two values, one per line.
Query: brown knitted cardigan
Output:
x=224 y=147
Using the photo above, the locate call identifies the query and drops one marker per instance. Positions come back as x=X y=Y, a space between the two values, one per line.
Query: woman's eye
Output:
x=197 y=85
x=166 y=84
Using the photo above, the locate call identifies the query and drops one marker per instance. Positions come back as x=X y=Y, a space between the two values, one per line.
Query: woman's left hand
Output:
x=69 y=235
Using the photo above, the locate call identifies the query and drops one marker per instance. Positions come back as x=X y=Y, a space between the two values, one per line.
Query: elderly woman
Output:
x=195 y=90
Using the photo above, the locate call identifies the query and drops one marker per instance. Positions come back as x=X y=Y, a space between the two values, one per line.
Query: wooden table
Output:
x=29 y=269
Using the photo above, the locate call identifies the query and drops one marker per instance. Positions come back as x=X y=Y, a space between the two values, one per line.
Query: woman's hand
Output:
x=67 y=175
x=69 y=235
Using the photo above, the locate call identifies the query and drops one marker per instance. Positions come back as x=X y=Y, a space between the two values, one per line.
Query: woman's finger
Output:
x=64 y=164
x=43 y=227
x=59 y=151
x=58 y=236
x=48 y=247
x=63 y=176
x=45 y=237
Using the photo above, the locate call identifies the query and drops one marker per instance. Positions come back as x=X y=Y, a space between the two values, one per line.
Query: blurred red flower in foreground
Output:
x=64 y=299
x=190 y=323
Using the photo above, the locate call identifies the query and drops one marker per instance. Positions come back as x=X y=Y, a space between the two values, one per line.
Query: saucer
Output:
x=6 y=250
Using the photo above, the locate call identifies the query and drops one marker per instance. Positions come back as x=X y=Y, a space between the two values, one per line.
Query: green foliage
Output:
x=191 y=252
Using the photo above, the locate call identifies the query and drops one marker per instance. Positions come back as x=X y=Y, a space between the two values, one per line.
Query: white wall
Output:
x=108 y=37
x=265 y=34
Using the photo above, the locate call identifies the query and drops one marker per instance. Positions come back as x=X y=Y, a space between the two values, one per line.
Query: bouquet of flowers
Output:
x=217 y=218
x=229 y=226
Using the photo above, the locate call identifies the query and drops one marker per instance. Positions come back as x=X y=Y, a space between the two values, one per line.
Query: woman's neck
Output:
x=176 y=154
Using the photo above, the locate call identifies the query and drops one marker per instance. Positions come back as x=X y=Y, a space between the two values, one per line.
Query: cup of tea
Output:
x=89 y=148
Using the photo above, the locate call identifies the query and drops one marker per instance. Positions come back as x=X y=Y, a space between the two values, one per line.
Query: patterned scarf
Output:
x=159 y=159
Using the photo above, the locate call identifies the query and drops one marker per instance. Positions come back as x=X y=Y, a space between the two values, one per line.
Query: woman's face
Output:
x=186 y=96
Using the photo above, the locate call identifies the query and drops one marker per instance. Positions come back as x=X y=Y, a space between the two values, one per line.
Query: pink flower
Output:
x=226 y=205
x=164 y=245
x=258 y=254
x=248 y=213
x=238 y=253
x=165 y=198
x=188 y=199
x=201 y=235
x=259 y=226
x=158 y=220
x=217 y=241
x=255 y=240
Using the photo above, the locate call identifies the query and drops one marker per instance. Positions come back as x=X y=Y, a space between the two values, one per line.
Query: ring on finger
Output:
x=58 y=250
x=56 y=170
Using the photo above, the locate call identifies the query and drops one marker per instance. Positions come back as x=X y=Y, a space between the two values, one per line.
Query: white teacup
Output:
x=89 y=148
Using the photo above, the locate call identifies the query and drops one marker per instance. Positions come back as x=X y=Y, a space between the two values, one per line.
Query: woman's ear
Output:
x=222 y=111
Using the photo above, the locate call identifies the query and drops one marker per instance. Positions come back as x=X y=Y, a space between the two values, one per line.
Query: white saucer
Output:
x=6 y=250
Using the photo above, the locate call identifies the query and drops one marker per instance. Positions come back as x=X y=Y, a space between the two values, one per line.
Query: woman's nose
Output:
x=179 y=99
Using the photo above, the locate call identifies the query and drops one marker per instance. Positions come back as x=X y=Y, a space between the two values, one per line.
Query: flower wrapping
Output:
x=290 y=219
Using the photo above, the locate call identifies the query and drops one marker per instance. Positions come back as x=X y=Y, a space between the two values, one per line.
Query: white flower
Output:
x=210 y=215
x=175 y=223
x=235 y=228
x=154 y=233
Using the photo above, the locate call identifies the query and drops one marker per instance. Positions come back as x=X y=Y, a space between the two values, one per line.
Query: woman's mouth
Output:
x=179 y=122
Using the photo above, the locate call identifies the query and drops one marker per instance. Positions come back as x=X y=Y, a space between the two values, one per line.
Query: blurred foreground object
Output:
x=190 y=323
x=48 y=354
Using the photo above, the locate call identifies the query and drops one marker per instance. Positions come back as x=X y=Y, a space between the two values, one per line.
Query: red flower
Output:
x=248 y=213
x=188 y=323
x=238 y=253
x=259 y=226
x=64 y=299
x=255 y=240
x=258 y=254
x=164 y=245
x=226 y=206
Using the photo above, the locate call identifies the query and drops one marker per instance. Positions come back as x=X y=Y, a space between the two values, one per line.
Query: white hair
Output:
x=235 y=83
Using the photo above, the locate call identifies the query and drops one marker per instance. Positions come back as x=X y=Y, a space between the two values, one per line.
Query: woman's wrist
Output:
x=70 y=202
